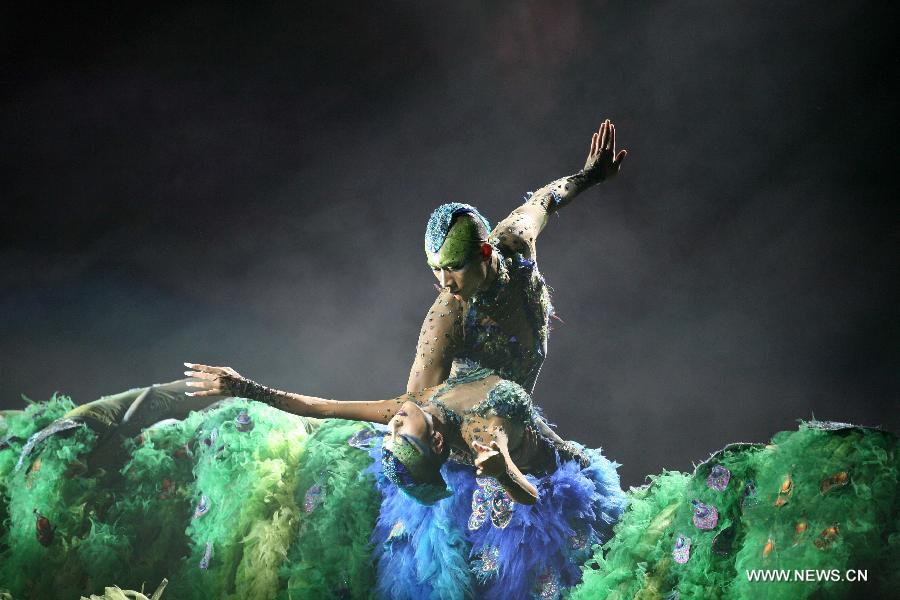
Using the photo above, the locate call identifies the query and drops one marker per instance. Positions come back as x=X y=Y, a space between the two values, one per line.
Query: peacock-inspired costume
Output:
x=244 y=501
x=480 y=543
x=505 y=326
x=823 y=499
x=518 y=283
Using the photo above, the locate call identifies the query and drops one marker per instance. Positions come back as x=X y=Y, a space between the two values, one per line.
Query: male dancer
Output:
x=493 y=307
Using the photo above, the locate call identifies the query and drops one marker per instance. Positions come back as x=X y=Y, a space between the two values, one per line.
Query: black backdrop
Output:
x=249 y=186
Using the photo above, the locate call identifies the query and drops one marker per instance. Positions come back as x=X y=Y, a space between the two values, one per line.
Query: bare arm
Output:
x=520 y=229
x=441 y=333
x=488 y=438
x=225 y=381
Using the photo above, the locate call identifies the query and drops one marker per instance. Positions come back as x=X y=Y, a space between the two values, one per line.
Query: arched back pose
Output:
x=493 y=307
x=519 y=524
x=484 y=420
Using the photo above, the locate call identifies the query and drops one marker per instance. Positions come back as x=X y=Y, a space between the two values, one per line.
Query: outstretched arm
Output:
x=520 y=229
x=225 y=381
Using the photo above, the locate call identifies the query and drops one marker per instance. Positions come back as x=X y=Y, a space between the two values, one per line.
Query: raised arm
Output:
x=225 y=381
x=490 y=441
x=520 y=229
x=440 y=336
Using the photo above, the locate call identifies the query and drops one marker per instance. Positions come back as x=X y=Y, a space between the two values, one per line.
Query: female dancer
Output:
x=518 y=524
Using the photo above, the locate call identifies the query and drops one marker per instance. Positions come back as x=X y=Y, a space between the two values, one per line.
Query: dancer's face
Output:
x=462 y=280
x=461 y=265
x=414 y=424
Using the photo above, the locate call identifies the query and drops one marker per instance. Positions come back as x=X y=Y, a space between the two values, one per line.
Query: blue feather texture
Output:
x=430 y=552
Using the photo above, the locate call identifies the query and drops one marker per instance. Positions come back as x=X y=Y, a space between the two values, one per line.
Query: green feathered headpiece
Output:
x=452 y=244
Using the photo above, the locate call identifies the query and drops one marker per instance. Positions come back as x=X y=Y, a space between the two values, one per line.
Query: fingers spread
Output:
x=201 y=375
x=206 y=368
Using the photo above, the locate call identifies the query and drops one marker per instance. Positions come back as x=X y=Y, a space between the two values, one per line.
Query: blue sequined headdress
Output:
x=440 y=220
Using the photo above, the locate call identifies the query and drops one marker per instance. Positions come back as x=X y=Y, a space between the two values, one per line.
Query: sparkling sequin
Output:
x=547 y=586
x=207 y=556
x=501 y=510
x=364 y=438
x=479 y=509
x=487 y=564
x=519 y=298
x=705 y=515
x=579 y=540
x=507 y=399
x=202 y=507
x=315 y=496
x=682 y=550
x=718 y=478
x=243 y=422
x=490 y=499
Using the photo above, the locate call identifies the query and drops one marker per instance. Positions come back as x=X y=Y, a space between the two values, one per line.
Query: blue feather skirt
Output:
x=479 y=544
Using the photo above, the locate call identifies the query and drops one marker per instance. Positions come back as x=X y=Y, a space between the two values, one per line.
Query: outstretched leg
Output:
x=124 y=414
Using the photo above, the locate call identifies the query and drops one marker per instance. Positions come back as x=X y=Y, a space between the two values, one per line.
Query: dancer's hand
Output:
x=213 y=381
x=490 y=461
x=602 y=161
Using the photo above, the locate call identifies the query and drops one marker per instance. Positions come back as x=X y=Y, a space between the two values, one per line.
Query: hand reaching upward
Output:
x=602 y=160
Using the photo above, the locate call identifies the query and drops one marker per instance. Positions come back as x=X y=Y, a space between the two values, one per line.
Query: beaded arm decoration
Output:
x=241 y=387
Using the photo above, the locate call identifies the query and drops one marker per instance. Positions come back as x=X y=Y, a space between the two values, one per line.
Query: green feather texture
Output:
x=825 y=507
x=332 y=555
x=245 y=501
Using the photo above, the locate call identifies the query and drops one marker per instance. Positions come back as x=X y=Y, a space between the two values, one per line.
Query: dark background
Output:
x=249 y=186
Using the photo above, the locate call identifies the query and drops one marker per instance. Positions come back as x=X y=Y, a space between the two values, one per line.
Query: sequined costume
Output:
x=479 y=543
x=505 y=327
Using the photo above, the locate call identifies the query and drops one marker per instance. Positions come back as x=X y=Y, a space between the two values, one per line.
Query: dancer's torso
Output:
x=479 y=399
x=505 y=327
